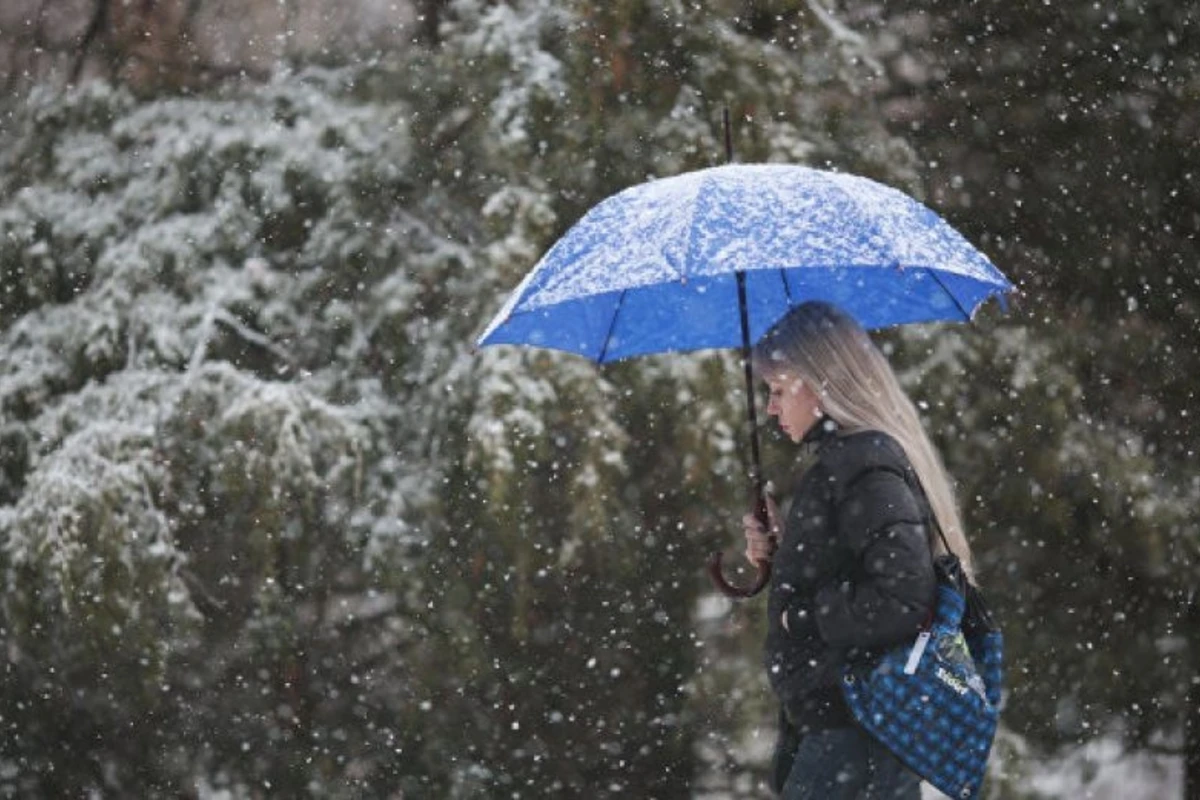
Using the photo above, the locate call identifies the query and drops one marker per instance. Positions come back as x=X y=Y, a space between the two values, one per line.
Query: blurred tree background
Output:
x=270 y=527
x=1066 y=138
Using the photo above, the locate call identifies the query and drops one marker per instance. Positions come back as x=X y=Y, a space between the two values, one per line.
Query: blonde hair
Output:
x=828 y=350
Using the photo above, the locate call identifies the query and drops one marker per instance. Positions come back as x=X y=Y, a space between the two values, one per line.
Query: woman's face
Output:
x=794 y=405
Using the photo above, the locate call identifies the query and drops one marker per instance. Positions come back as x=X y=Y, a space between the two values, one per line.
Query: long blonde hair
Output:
x=828 y=350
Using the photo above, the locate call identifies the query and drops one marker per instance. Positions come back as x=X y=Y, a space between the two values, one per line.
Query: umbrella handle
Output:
x=764 y=566
x=728 y=589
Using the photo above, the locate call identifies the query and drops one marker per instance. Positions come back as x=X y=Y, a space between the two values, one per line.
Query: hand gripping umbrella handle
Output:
x=764 y=566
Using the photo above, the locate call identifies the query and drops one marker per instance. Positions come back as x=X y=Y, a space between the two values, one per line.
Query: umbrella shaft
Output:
x=751 y=412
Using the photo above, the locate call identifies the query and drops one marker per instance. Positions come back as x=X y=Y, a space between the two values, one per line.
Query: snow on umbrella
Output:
x=712 y=258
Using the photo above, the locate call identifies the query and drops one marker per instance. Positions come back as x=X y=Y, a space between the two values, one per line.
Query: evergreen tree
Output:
x=269 y=525
x=1063 y=136
x=586 y=499
x=208 y=492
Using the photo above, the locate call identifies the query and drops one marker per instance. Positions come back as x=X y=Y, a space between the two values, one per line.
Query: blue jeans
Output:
x=847 y=764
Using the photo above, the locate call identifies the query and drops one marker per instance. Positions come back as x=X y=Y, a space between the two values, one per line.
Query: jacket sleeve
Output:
x=891 y=592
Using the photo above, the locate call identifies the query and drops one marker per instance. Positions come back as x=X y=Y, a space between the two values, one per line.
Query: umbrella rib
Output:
x=612 y=326
x=787 y=290
x=966 y=314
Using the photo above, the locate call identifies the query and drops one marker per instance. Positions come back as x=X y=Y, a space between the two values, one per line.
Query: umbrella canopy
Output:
x=653 y=268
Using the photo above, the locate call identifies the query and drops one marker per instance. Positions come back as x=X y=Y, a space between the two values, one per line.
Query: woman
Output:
x=853 y=571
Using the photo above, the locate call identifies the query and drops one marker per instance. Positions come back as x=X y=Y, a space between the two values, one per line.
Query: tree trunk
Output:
x=1191 y=722
x=95 y=29
x=430 y=15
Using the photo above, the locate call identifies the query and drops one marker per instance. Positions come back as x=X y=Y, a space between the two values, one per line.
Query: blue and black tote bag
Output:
x=935 y=703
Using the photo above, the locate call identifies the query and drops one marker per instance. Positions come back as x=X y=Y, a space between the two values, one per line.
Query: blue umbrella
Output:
x=712 y=258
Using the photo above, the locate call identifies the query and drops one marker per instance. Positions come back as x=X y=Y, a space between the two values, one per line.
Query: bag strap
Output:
x=930 y=516
x=938 y=527
x=977 y=615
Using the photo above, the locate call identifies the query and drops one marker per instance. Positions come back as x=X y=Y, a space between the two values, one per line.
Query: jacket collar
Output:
x=821 y=432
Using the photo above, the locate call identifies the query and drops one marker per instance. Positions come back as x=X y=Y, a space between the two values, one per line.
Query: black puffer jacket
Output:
x=853 y=571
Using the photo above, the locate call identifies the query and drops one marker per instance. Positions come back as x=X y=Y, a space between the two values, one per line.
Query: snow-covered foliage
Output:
x=269 y=525
x=201 y=440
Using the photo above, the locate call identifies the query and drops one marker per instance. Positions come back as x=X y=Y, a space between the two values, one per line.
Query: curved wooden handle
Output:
x=728 y=589
x=764 y=567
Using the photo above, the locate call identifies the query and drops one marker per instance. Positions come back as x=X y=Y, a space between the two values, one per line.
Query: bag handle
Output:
x=914 y=481
x=931 y=519
x=938 y=527
x=977 y=614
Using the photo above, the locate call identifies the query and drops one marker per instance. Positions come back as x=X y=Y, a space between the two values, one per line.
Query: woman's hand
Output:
x=761 y=540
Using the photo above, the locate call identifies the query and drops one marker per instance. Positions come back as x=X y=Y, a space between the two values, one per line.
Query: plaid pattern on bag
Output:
x=941 y=719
